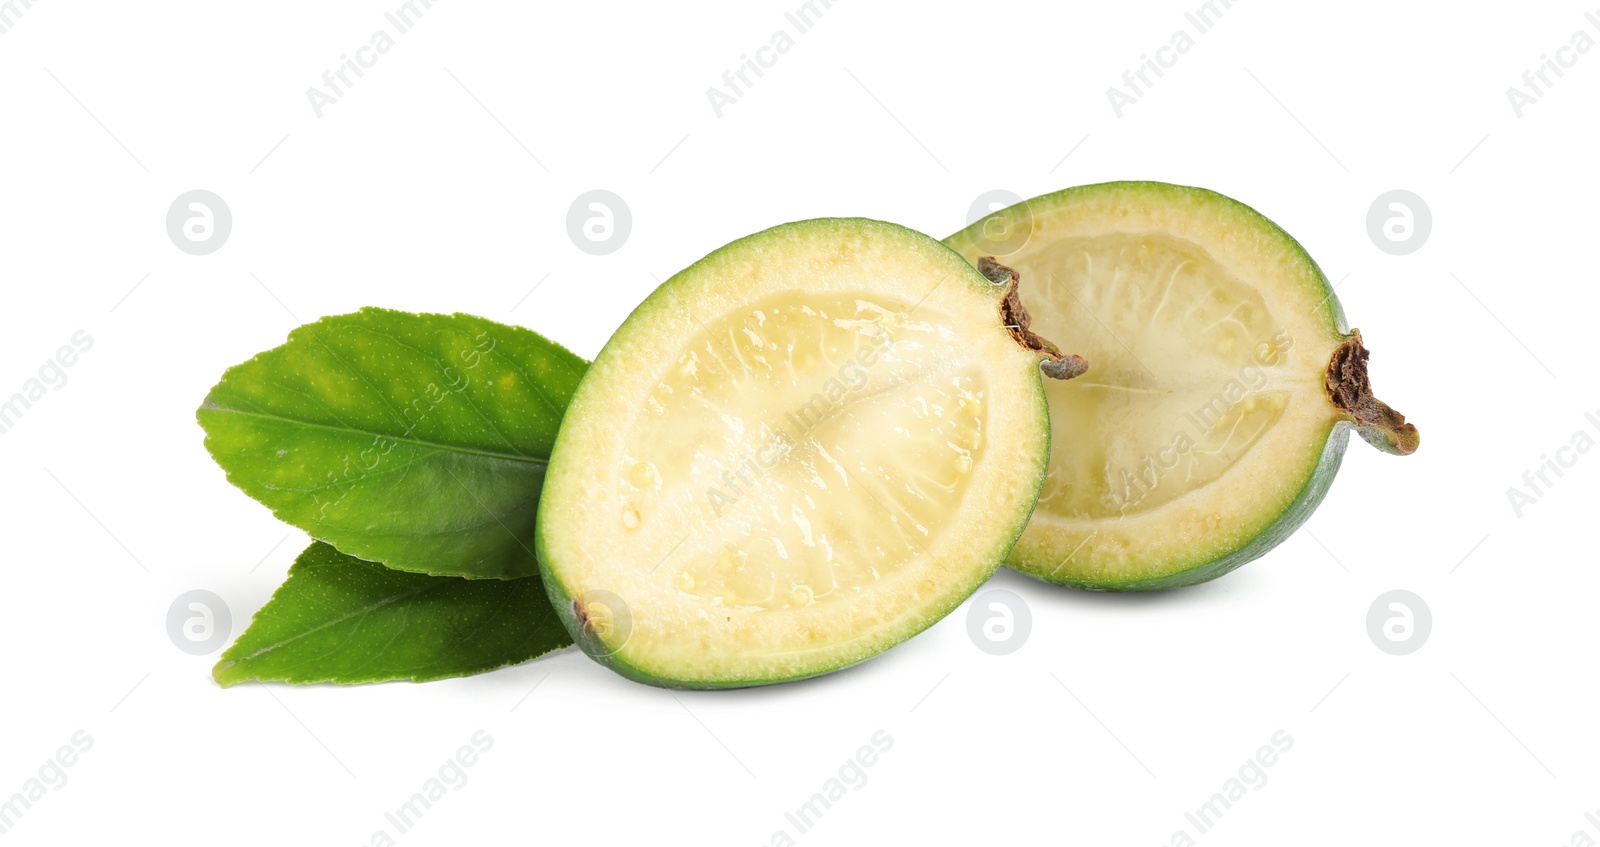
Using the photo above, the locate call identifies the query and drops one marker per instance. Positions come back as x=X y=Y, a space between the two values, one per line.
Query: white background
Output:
x=441 y=182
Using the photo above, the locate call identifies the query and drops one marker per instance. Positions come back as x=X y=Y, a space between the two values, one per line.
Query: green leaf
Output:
x=418 y=441
x=340 y=619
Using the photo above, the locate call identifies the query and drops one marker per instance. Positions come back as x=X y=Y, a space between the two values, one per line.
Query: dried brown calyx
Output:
x=1056 y=364
x=1350 y=389
x=586 y=622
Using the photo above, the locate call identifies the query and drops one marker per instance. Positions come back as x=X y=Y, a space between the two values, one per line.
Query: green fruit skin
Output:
x=611 y=658
x=1290 y=519
x=597 y=650
x=563 y=601
x=1317 y=479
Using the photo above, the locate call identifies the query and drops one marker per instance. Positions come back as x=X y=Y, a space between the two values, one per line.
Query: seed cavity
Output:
x=643 y=475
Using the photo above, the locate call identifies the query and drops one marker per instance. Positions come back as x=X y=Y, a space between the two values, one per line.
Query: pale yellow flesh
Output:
x=1204 y=407
x=816 y=469
x=1204 y=375
x=831 y=436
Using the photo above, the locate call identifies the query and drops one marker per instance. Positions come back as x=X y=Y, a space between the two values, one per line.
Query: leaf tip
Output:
x=222 y=672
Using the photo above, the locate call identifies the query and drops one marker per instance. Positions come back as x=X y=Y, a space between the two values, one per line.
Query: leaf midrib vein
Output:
x=415 y=442
x=356 y=613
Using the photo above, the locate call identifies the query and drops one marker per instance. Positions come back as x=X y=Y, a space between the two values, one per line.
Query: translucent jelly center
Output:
x=803 y=448
x=1188 y=369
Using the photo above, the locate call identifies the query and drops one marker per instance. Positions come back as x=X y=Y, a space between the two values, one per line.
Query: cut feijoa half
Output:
x=1225 y=382
x=802 y=450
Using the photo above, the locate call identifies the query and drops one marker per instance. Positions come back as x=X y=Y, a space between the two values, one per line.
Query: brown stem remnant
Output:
x=1056 y=364
x=1350 y=389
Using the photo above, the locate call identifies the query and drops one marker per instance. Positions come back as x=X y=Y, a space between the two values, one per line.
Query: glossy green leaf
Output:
x=418 y=441
x=340 y=619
